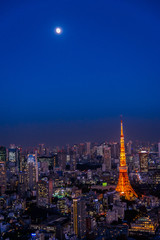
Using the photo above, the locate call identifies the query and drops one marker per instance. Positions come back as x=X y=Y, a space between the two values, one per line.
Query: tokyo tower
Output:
x=124 y=187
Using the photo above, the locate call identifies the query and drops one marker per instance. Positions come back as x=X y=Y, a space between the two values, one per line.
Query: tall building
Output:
x=31 y=176
x=22 y=162
x=107 y=157
x=81 y=149
x=44 y=192
x=115 y=150
x=62 y=160
x=129 y=147
x=55 y=161
x=41 y=149
x=22 y=183
x=100 y=150
x=13 y=159
x=32 y=171
x=2 y=178
x=19 y=158
x=88 y=148
x=46 y=159
x=124 y=187
x=73 y=161
x=2 y=154
x=79 y=217
x=143 y=160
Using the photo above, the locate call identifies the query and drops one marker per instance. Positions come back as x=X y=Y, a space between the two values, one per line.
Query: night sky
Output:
x=69 y=88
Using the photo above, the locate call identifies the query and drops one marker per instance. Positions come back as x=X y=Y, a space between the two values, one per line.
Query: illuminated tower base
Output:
x=124 y=187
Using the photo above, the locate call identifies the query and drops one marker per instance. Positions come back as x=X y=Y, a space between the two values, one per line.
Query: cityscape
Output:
x=84 y=191
x=80 y=120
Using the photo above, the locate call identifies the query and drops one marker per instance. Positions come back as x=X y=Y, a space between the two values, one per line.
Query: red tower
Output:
x=124 y=187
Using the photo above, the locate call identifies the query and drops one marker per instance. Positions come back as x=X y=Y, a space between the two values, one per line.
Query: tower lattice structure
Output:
x=124 y=187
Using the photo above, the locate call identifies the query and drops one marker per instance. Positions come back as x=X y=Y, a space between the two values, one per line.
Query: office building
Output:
x=143 y=160
x=2 y=178
x=107 y=157
x=32 y=171
x=2 y=154
x=79 y=217
x=13 y=159
x=44 y=192
x=129 y=147
x=88 y=148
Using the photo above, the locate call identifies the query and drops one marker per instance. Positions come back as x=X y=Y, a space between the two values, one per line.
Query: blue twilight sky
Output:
x=73 y=87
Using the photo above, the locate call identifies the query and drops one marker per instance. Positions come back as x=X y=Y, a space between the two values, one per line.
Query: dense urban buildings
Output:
x=88 y=190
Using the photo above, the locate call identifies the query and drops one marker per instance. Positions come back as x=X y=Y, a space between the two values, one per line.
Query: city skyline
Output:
x=72 y=87
x=70 y=137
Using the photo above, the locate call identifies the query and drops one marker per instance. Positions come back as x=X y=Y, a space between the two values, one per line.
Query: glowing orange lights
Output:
x=124 y=187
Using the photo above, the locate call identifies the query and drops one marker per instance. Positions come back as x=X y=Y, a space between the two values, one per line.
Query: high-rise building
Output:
x=81 y=149
x=13 y=159
x=19 y=158
x=41 y=149
x=100 y=150
x=79 y=217
x=88 y=148
x=31 y=176
x=124 y=187
x=32 y=171
x=44 y=192
x=143 y=160
x=55 y=161
x=2 y=154
x=46 y=159
x=62 y=160
x=2 y=178
x=22 y=183
x=115 y=150
x=73 y=161
x=107 y=157
x=22 y=163
x=129 y=147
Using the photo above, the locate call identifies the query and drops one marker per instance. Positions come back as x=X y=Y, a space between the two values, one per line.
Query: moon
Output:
x=58 y=30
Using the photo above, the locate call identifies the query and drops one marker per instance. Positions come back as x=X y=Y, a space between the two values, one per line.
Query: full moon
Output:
x=58 y=30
